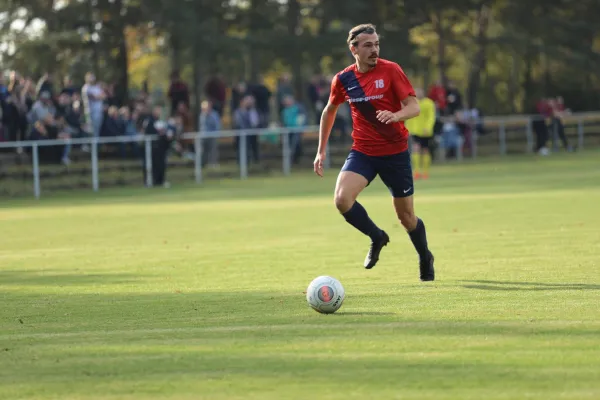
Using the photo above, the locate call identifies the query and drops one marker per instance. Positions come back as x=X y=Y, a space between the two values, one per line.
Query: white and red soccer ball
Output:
x=325 y=294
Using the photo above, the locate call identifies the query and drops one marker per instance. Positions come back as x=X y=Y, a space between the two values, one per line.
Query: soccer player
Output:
x=381 y=98
x=421 y=129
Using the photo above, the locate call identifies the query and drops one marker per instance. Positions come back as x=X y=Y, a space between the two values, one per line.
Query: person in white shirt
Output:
x=93 y=102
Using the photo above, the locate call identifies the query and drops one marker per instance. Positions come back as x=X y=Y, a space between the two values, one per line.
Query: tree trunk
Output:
x=175 y=47
x=253 y=47
x=197 y=91
x=253 y=60
x=513 y=86
x=93 y=44
x=442 y=65
x=122 y=84
x=547 y=77
x=426 y=74
x=478 y=64
x=295 y=54
x=528 y=81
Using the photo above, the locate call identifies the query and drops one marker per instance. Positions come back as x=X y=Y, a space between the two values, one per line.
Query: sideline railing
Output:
x=501 y=123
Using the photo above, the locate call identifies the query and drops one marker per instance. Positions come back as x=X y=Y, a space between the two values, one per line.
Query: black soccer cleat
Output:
x=376 y=246
x=426 y=268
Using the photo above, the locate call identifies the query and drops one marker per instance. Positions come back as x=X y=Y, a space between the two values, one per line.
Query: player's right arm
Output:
x=336 y=97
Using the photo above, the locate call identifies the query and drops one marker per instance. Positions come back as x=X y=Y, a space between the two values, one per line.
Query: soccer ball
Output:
x=325 y=294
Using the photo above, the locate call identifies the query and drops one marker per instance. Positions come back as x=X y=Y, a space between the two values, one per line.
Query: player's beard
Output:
x=372 y=61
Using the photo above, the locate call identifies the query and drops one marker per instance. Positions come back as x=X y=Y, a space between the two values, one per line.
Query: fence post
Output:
x=285 y=153
x=529 y=135
x=243 y=156
x=198 y=158
x=148 y=158
x=36 y=170
x=95 y=180
x=580 y=134
x=502 y=138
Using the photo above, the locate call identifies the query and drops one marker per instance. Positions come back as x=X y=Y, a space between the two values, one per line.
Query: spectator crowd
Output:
x=48 y=110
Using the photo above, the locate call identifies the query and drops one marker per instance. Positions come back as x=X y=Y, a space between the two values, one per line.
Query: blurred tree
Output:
x=504 y=54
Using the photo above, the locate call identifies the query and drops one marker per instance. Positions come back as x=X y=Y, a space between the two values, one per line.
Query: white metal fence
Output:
x=500 y=122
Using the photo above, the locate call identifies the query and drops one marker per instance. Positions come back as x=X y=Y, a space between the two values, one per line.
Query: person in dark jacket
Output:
x=154 y=125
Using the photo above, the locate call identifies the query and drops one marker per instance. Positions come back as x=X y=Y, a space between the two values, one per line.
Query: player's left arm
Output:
x=404 y=91
x=410 y=109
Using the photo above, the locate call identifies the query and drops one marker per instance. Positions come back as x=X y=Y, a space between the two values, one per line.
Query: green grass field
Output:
x=197 y=292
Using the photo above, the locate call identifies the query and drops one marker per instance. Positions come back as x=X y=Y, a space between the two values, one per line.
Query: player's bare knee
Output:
x=343 y=201
x=408 y=219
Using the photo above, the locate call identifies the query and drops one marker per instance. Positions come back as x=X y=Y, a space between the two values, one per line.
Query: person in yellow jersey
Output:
x=421 y=130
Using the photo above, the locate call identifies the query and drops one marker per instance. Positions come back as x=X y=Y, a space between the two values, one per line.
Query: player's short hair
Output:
x=357 y=30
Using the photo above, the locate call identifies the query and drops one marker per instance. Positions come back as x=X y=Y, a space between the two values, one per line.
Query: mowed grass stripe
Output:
x=260 y=205
x=540 y=327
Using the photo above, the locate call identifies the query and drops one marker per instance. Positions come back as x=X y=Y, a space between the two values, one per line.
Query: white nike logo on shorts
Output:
x=407 y=190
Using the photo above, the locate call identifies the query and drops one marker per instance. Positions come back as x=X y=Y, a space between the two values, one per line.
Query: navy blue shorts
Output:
x=422 y=141
x=394 y=170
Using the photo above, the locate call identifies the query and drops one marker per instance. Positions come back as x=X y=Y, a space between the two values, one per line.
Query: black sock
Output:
x=357 y=217
x=419 y=239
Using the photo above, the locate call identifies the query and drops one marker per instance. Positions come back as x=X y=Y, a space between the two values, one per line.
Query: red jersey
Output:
x=437 y=93
x=382 y=88
x=544 y=108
